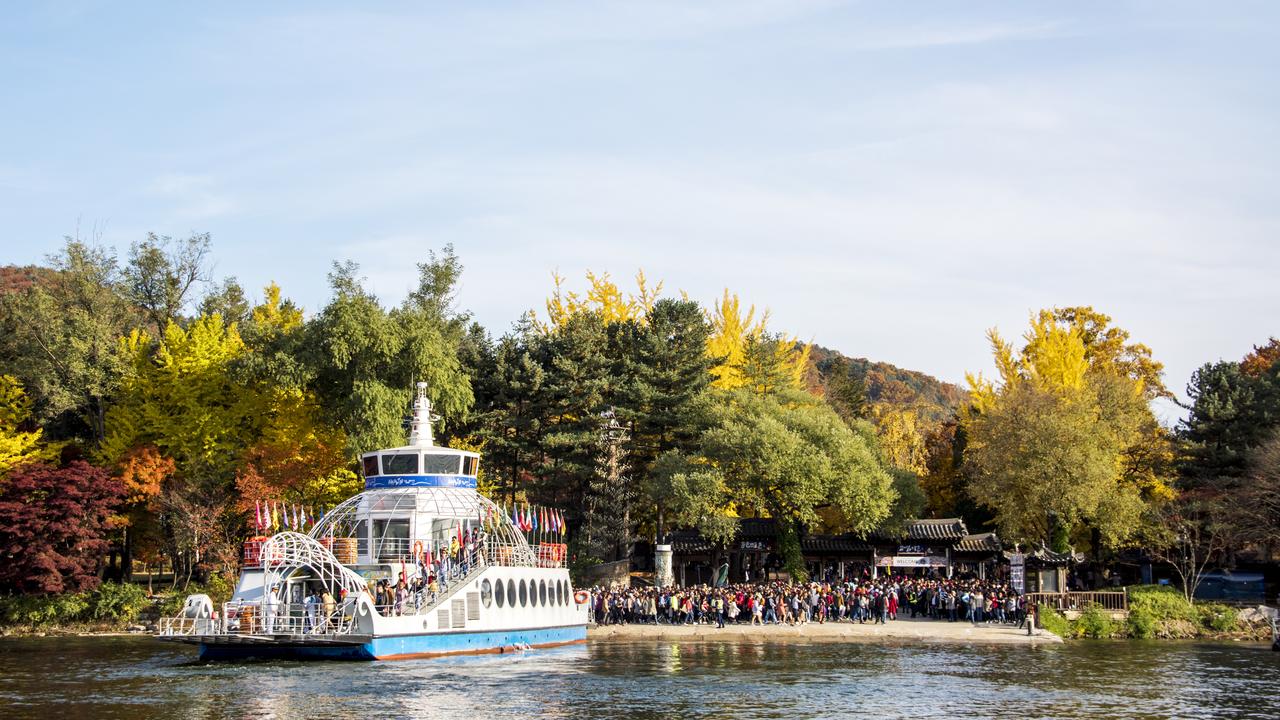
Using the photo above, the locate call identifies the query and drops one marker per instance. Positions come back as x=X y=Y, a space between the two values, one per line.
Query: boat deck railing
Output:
x=256 y=618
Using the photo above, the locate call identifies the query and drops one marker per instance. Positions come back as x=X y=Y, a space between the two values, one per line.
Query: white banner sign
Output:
x=911 y=561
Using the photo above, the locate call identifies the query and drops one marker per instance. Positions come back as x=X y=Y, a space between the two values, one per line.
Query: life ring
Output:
x=581 y=597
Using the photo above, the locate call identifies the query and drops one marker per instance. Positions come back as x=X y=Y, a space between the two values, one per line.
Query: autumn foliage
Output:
x=53 y=526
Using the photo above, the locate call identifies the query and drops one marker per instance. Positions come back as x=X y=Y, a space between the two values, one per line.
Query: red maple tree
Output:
x=53 y=526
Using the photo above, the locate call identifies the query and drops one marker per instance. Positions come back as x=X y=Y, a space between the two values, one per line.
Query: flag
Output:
x=257 y=515
x=275 y=517
x=563 y=527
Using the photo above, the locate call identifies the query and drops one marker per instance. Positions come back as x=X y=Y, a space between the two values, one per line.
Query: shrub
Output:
x=43 y=610
x=112 y=603
x=116 y=602
x=1218 y=617
x=1095 y=622
x=1055 y=623
x=1142 y=623
x=1165 y=603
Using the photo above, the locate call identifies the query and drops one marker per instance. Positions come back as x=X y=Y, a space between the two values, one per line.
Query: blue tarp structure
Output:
x=1232 y=587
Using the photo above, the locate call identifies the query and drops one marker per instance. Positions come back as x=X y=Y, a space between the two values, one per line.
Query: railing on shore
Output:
x=1115 y=601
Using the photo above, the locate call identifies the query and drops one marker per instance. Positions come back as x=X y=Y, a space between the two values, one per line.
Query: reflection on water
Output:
x=140 y=678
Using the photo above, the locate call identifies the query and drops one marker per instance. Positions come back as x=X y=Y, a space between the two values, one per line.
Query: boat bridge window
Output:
x=371 y=466
x=391 y=538
x=362 y=538
x=440 y=464
x=400 y=464
x=470 y=465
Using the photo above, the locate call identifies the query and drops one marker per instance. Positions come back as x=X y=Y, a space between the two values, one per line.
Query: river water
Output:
x=137 y=678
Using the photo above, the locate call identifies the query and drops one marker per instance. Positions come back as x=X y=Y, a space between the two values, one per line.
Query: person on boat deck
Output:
x=270 y=605
x=327 y=606
x=401 y=596
x=310 y=604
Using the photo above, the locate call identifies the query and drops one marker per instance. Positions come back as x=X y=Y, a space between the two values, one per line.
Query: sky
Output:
x=889 y=179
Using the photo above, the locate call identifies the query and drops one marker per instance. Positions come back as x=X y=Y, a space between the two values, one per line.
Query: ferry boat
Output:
x=420 y=519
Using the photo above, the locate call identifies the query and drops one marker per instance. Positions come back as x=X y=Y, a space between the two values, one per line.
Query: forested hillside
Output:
x=931 y=398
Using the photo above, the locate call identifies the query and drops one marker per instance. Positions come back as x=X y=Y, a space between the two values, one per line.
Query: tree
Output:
x=901 y=440
x=660 y=376
x=53 y=525
x=362 y=361
x=573 y=401
x=788 y=455
x=1044 y=460
x=18 y=445
x=180 y=396
x=60 y=337
x=1257 y=505
x=746 y=352
x=1231 y=413
x=163 y=273
x=229 y=301
x=509 y=417
x=1263 y=357
x=1066 y=440
x=1190 y=534
x=845 y=389
x=603 y=298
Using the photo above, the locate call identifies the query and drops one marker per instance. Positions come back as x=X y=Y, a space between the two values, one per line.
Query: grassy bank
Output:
x=112 y=607
x=1157 y=612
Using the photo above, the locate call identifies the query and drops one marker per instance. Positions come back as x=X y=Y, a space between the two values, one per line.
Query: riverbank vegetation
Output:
x=1157 y=611
x=147 y=411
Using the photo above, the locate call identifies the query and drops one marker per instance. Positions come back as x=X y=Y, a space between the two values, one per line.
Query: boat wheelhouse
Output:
x=420 y=564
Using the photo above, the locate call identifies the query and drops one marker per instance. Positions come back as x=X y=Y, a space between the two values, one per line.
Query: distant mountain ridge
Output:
x=932 y=398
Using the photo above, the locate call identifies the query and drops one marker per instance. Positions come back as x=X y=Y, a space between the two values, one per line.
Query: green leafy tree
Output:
x=60 y=338
x=162 y=275
x=362 y=360
x=788 y=456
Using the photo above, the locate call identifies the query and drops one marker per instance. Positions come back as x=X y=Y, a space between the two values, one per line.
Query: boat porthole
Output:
x=524 y=594
x=542 y=592
x=511 y=593
x=500 y=594
x=486 y=593
x=559 y=593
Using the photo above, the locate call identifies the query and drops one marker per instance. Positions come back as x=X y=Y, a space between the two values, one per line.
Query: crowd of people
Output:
x=868 y=600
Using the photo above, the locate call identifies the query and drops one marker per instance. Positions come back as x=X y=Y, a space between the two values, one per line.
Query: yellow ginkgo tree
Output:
x=746 y=354
x=18 y=446
x=1065 y=439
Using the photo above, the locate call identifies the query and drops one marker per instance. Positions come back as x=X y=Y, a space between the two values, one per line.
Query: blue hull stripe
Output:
x=404 y=646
